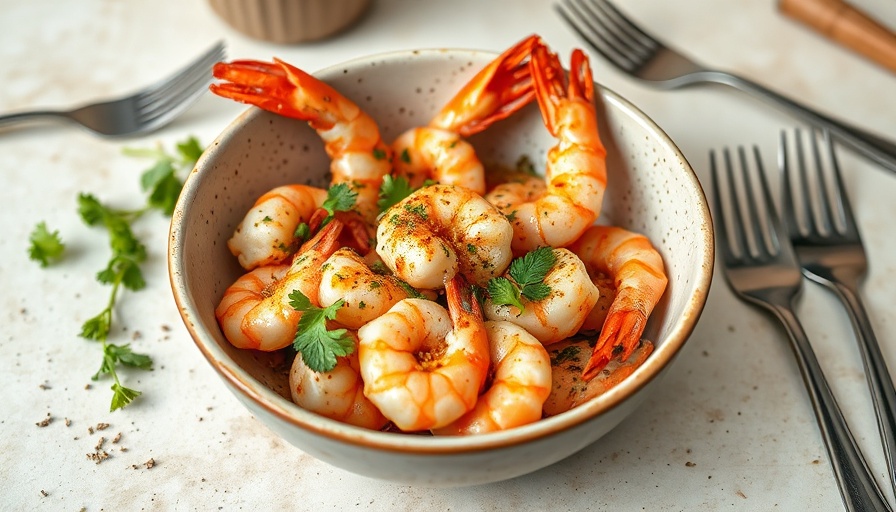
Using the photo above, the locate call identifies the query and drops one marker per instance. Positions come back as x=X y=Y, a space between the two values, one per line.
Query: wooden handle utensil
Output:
x=843 y=23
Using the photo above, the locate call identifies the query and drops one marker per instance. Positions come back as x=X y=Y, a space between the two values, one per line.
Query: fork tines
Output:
x=817 y=201
x=609 y=32
x=750 y=228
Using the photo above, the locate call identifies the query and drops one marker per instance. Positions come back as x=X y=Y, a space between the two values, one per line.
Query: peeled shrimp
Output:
x=358 y=155
x=520 y=383
x=266 y=235
x=366 y=294
x=424 y=367
x=255 y=311
x=639 y=279
x=439 y=151
x=560 y=314
x=337 y=394
x=442 y=230
x=576 y=173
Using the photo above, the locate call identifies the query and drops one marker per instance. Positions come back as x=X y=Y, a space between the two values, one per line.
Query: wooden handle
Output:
x=843 y=23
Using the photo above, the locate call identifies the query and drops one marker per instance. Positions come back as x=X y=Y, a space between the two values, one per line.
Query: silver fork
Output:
x=829 y=247
x=761 y=267
x=143 y=111
x=642 y=56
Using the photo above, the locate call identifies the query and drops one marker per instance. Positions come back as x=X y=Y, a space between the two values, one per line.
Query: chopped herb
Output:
x=46 y=246
x=379 y=154
x=526 y=279
x=405 y=156
x=318 y=345
x=417 y=209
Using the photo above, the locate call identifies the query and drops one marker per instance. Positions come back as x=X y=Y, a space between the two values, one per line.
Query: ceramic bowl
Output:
x=651 y=189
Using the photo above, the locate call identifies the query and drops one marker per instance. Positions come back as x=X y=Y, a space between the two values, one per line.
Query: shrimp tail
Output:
x=356 y=231
x=326 y=241
x=619 y=337
x=551 y=86
x=497 y=91
x=462 y=304
x=276 y=87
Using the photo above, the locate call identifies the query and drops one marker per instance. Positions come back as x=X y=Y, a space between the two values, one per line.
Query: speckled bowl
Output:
x=652 y=189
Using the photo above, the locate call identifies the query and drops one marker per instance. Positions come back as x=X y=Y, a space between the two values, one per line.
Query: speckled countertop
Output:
x=730 y=429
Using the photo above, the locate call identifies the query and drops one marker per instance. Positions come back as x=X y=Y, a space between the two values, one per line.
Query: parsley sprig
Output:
x=45 y=246
x=318 y=345
x=162 y=183
x=526 y=279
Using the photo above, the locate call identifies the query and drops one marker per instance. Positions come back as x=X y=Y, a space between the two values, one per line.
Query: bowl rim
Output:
x=286 y=411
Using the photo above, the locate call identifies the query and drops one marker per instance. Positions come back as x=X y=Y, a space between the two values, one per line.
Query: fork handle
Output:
x=857 y=487
x=33 y=114
x=880 y=383
x=877 y=149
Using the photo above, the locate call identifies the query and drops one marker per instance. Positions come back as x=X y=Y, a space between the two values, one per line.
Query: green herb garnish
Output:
x=526 y=279
x=163 y=185
x=46 y=246
x=392 y=191
x=318 y=345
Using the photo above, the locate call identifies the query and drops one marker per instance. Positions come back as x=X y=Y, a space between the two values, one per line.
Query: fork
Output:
x=632 y=50
x=829 y=247
x=761 y=267
x=143 y=111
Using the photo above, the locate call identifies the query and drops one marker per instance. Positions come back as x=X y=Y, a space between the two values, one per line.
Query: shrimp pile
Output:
x=478 y=300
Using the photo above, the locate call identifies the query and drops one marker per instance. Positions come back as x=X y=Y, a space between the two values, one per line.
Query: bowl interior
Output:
x=651 y=189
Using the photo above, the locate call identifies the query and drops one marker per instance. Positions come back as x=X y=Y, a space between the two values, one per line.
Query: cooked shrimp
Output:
x=441 y=230
x=561 y=314
x=255 y=312
x=439 y=151
x=266 y=235
x=639 y=279
x=366 y=294
x=568 y=358
x=358 y=155
x=576 y=173
x=520 y=383
x=337 y=394
x=424 y=367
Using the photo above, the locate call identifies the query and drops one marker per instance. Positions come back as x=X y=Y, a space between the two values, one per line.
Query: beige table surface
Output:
x=731 y=428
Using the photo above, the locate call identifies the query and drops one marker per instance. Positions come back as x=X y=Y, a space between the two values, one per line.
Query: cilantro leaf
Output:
x=503 y=291
x=190 y=150
x=526 y=280
x=392 y=191
x=45 y=245
x=318 y=345
x=91 y=210
x=98 y=327
x=340 y=198
x=122 y=396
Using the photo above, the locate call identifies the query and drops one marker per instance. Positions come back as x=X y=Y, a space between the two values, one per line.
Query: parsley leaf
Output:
x=392 y=191
x=122 y=396
x=526 y=279
x=45 y=245
x=318 y=345
x=340 y=198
